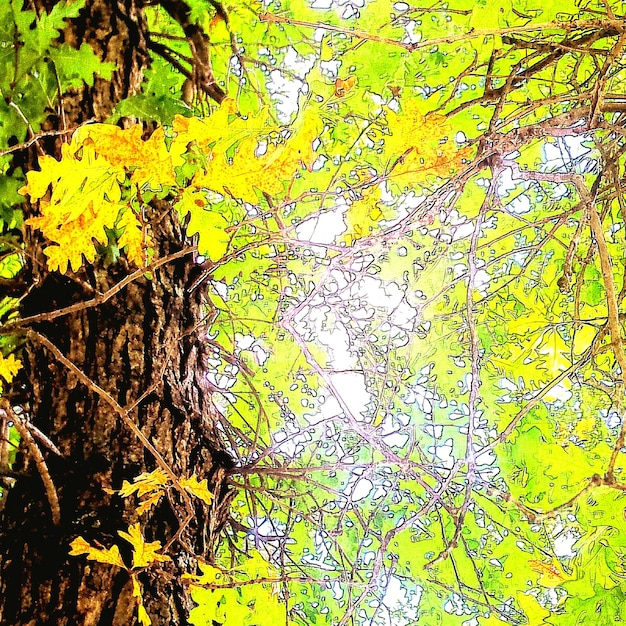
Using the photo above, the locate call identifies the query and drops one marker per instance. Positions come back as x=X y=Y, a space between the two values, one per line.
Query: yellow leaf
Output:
x=326 y=50
x=210 y=575
x=149 y=486
x=204 y=132
x=86 y=196
x=552 y=574
x=268 y=172
x=144 y=552
x=535 y=613
x=425 y=145
x=147 y=503
x=142 y=615
x=136 y=587
x=197 y=488
x=50 y=171
x=145 y=483
x=9 y=367
x=151 y=162
x=110 y=556
x=135 y=238
x=363 y=215
x=85 y=200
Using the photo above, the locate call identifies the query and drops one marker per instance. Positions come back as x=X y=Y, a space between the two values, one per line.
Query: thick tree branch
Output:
x=202 y=74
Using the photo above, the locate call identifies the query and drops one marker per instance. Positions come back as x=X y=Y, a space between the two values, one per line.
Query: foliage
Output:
x=412 y=226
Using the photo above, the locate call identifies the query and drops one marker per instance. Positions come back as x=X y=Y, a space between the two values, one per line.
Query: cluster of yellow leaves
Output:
x=150 y=488
x=420 y=146
x=151 y=162
x=260 y=160
x=145 y=553
x=104 y=168
x=86 y=197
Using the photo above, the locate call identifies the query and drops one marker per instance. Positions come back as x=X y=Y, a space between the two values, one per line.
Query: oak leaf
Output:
x=9 y=367
x=109 y=556
x=144 y=552
x=197 y=488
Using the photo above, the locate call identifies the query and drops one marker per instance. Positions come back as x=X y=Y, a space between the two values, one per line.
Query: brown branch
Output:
x=202 y=75
x=616 y=26
x=169 y=55
x=97 y=300
x=38 y=136
x=35 y=453
x=124 y=414
x=613 y=310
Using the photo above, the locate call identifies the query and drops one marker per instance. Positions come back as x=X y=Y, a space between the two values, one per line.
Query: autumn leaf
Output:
x=203 y=132
x=144 y=483
x=85 y=201
x=142 y=614
x=134 y=238
x=144 y=552
x=420 y=146
x=150 y=161
x=50 y=172
x=150 y=486
x=207 y=222
x=343 y=86
x=197 y=488
x=269 y=172
x=109 y=556
x=9 y=367
x=551 y=573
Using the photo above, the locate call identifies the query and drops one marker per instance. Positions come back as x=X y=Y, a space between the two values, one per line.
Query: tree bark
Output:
x=144 y=348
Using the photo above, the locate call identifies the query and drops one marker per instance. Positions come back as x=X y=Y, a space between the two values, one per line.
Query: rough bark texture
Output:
x=143 y=346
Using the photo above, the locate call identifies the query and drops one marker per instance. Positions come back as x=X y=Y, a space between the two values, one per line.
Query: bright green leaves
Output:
x=38 y=32
x=34 y=70
x=34 y=73
x=158 y=99
x=208 y=222
x=233 y=596
x=555 y=471
x=75 y=66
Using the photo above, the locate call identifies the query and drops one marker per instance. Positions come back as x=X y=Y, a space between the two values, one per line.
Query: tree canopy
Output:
x=408 y=226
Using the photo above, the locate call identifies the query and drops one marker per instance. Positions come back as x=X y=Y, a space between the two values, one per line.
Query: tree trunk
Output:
x=143 y=347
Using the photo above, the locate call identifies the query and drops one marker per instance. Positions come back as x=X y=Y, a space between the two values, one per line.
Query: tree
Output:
x=312 y=315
